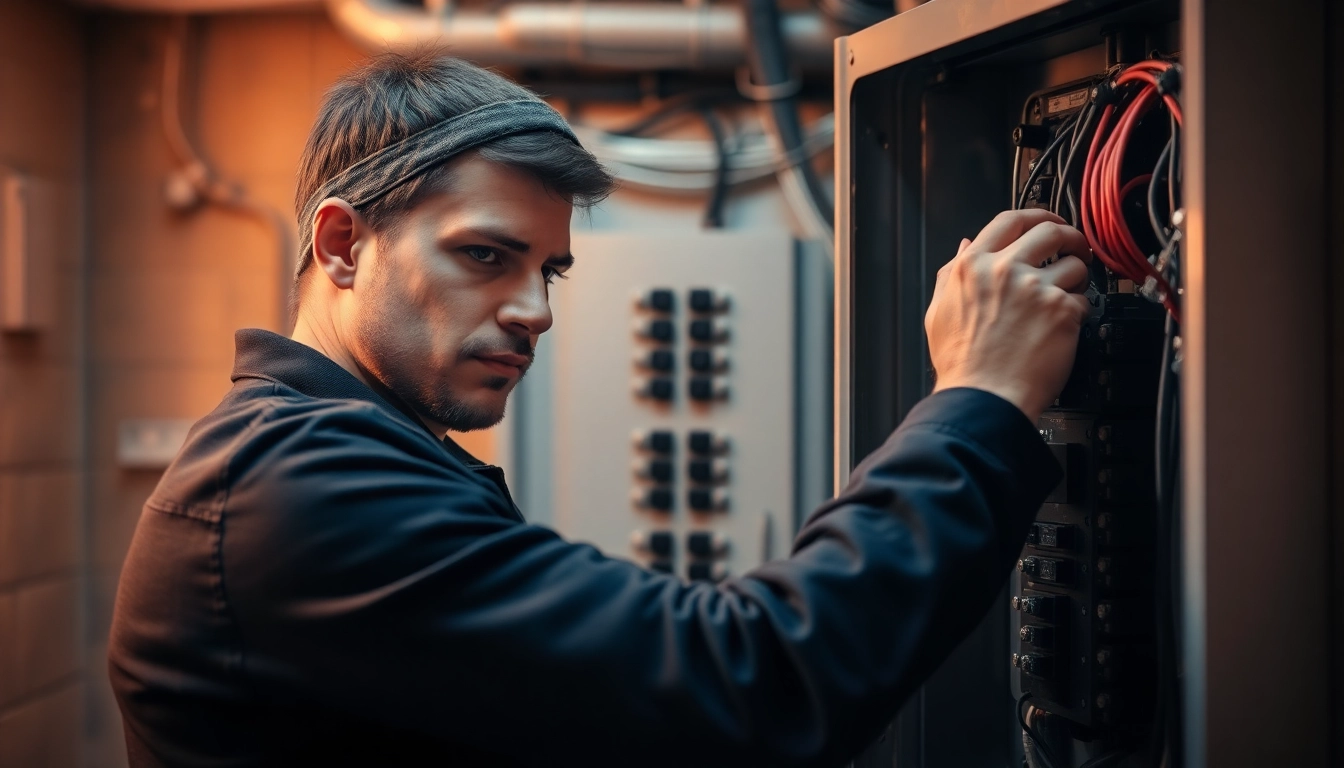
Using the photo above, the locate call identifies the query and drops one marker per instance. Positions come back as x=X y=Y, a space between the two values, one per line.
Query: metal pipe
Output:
x=612 y=35
x=199 y=6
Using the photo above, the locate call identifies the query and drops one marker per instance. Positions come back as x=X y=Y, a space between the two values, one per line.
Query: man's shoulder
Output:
x=265 y=432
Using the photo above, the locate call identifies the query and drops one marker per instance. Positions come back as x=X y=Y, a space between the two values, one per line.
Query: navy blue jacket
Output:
x=319 y=580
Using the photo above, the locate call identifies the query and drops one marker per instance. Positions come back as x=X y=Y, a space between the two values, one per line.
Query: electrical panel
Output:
x=949 y=115
x=675 y=408
x=1086 y=643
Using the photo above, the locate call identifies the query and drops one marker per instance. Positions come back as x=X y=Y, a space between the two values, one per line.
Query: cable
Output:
x=1137 y=90
x=196 y=182
x=1046 y=755
x=1163 y=161
x=769 y=69
x=702 y=104
x=676 y=105
x=714 y=208
x=1039 y=167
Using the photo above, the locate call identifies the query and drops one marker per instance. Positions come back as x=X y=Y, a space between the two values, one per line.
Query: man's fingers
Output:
x=1080 y=301
x=1008 y=226
x=1069 y=273
x=965 y=241
x=1047 y=241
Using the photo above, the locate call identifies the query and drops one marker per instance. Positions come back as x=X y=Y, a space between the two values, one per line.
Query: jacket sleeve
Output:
x=366 y=575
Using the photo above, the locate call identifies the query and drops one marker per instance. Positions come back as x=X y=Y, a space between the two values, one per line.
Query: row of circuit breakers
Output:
x=707 y=465
x=1085 y=631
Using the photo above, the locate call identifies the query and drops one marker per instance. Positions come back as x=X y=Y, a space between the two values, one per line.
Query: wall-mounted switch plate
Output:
x=150 y=443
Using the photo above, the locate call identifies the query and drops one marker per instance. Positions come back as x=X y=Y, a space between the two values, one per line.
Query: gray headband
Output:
x=393 y=165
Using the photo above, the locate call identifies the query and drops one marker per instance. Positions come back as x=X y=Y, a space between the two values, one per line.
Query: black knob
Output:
x=659 y=330
x=707 y=331
x=1037 y=635
x=704 y=300
x=705 y=543
x=704 y=443
x=707 y=470
x=659 y=360
x=659 y=300
x=656 y=441
x=706 y=499
x=659 y=498
x=706 y=389
x=657 y=470
x=707 y=360
x=657 y=388
x=660 y=543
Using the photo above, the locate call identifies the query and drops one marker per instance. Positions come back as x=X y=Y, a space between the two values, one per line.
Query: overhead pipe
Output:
x=199 y=6
x=620 y=35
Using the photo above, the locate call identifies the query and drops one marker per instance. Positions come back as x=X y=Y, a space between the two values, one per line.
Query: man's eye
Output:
x=482 y=254
x=552 y=274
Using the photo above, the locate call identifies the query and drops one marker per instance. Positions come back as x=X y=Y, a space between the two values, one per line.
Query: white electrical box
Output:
x=673 y=391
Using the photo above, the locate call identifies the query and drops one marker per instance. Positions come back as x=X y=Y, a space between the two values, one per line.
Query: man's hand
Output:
x=1007 y=309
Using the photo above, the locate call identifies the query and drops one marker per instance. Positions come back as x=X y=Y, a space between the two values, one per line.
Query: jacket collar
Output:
x=265 y=355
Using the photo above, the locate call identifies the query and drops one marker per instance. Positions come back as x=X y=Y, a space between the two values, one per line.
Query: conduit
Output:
x=610 y=34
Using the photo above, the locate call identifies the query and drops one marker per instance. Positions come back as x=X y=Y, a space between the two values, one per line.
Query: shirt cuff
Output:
x=999 y=427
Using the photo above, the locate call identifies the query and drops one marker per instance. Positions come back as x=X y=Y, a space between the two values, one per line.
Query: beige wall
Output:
x=168 y=289
x=41 y=448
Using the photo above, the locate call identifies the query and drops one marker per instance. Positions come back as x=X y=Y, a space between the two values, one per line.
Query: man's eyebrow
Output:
x=561 y=263
x=512 y=243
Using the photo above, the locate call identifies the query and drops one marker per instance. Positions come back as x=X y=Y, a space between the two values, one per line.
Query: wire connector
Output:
x=1169 y=81
x=1103 y=93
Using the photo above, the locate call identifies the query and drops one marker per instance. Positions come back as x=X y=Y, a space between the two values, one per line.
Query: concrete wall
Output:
x=42 y=678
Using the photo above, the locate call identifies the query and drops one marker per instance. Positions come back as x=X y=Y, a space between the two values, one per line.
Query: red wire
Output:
x=1104 y=191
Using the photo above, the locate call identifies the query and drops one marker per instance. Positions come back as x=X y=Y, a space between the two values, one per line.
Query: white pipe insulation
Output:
x=621 y=35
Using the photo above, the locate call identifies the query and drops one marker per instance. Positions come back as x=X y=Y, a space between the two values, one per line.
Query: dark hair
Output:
x=395 y=95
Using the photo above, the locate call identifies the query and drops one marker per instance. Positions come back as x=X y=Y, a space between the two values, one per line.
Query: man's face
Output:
x=449 y=313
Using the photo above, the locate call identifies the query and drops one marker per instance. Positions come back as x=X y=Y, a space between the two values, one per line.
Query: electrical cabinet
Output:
x=954 y=111
x=682 y=403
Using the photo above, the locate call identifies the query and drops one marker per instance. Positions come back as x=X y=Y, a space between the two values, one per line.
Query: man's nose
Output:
x=528 y=310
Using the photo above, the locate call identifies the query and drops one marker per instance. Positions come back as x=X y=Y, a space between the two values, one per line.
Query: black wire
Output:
x=1046 y=754
x=1163 y=166
x=714 y=209
x=1089 y=126
x=1065 y=156
x=701 y=103
x=1050 y=150
x=768 y=64
x=673 y=106
x=1174 y=168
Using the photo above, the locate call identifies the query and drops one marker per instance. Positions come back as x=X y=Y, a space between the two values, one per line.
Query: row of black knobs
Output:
x=706 y=468
x=705 y=362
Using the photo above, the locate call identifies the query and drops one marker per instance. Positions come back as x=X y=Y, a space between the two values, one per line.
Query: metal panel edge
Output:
x=1232 y=612
x=902 y=38
x=843 y=254
x=928 y=28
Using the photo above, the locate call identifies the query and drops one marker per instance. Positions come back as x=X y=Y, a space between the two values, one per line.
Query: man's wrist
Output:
x=1017 y=394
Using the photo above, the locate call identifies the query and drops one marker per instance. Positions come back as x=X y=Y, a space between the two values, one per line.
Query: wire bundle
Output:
x=1134 y=93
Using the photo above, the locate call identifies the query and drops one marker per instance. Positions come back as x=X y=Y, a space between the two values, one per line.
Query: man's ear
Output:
x=339 y=235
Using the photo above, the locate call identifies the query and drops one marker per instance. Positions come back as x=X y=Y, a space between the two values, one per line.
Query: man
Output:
x=321 y=578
